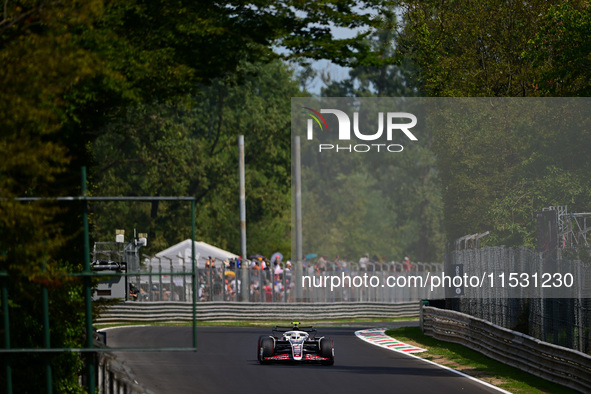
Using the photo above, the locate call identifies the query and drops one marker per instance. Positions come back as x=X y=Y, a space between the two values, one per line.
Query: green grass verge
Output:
x=475 y=364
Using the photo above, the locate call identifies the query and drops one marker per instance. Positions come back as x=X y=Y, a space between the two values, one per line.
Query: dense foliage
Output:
x=75 y=72
x=389 y=207
x=190 y=148
x=151 y=96
x=493 y=177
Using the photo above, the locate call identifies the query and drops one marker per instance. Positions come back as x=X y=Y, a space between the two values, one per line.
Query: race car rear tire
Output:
x=327 y=351
x=265 y=349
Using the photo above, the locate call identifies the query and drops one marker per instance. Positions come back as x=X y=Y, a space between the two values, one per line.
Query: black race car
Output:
x=295 y=344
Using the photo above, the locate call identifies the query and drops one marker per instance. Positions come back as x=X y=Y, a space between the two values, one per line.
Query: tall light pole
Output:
x=244 y=269
x=298 y=214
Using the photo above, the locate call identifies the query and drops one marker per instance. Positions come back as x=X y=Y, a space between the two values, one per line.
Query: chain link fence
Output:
x=564 y=320
x=163 y=281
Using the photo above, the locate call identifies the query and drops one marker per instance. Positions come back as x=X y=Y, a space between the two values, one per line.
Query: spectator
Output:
x=363 y=262
x=268 y=292
x=406 y=264
x=288 y=270
x=321 y=266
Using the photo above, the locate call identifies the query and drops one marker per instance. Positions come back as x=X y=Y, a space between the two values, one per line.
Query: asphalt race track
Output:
x=225 y=362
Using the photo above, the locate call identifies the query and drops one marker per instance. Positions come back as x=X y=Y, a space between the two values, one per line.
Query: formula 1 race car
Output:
x=295 y=344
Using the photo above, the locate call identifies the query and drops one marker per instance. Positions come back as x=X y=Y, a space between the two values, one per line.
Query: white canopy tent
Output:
x=176 y=260
x=180 y=254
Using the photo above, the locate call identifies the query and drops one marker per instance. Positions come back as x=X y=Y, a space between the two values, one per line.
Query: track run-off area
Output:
x=226 y=362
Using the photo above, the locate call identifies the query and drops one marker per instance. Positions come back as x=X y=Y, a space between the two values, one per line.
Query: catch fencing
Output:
x=561 y=321
x=179 y=312
x=170 y=283
x=564 y=366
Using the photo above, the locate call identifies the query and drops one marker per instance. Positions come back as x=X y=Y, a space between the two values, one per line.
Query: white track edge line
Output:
x=357 y=333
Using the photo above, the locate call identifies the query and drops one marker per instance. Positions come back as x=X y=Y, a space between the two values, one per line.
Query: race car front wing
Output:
x=307 y=357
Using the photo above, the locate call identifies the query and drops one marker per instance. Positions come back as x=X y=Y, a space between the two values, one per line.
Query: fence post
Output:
x=421 y=305
x=46 y=337
x=6 y=326
x=87 y=286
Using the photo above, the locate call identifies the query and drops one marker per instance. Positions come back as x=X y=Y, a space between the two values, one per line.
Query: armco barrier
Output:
x=557 y=364
x=114 y=377
x=128 y=312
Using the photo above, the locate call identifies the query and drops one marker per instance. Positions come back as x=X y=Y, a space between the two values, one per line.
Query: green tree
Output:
x=70 y=70
x=477 y=154
x=410 y=202
x=39 y=65
x=389 y=76
x=387 y=204
x=190 y=148
x=562 y=51
x=472 y=49
x=551 y=170
x=372 y=203
x=498 y=165
x=343 y=210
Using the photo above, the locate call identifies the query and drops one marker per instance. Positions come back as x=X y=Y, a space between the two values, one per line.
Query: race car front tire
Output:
x=259 y=347
x=327 y=351
x=265 y=349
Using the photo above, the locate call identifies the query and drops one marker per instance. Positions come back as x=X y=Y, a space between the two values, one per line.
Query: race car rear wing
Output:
x=295 y=326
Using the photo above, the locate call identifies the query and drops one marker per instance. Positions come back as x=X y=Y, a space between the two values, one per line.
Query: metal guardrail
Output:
x=557 y=364
x=115 y=377
x=112 y=375
x=128 y=312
